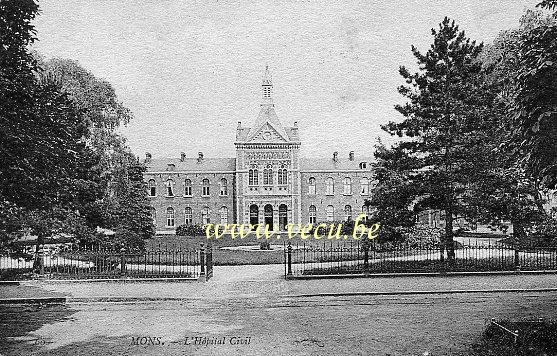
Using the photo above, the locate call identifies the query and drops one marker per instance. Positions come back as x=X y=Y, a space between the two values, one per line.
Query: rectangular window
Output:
x=364 y=186
x=187 y=188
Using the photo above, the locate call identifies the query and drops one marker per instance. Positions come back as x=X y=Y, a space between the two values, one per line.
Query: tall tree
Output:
x=446 y=119
x=535 y=101
x=124 y=206
x=504 y=190
x=103 y=114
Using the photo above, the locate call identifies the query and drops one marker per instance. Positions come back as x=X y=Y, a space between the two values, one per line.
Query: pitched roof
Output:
x=267 y=115
x=191 y=165
x=327 y=164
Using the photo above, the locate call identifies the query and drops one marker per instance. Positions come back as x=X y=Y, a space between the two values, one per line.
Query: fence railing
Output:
x=355 y=257
x=98 y=263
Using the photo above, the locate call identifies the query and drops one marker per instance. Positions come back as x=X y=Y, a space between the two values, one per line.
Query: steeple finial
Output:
x=267 y=87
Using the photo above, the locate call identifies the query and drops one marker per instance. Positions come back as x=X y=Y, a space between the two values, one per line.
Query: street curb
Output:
x=418 y=274
x=93 y=280
x=9 y=283
x=38 y=300
x=421 y=292
x=87 y=300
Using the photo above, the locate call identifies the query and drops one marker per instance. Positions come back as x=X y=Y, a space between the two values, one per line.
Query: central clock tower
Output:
x=268 y=168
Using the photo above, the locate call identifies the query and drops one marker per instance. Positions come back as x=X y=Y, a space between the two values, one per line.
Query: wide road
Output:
x=268 y=316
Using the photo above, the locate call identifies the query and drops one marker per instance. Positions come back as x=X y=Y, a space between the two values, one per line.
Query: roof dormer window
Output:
x=363 y=165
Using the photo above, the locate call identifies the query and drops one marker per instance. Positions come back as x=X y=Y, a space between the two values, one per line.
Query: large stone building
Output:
x=266 y=183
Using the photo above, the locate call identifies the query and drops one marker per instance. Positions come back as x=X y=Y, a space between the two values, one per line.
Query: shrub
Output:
x=190 y=230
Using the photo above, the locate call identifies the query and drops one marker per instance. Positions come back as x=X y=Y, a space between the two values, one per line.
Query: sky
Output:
x=190 y=70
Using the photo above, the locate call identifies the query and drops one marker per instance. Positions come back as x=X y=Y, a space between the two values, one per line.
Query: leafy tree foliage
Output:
x=392 y=198
x=134 y=210
x=62 y=166
x=505 y=190
x=535 y=99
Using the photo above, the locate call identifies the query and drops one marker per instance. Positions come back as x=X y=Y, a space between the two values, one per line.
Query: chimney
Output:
x=182 y=156
x=351 y=156
x=200 y=157
x=148 y=157
x=335 y=156
x=239 y=125
x=296 y=124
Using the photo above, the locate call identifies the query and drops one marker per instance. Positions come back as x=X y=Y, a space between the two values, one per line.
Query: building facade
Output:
x=266 y=183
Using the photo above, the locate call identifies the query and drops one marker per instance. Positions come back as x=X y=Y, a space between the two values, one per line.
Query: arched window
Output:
x=152 y=188
x=268 y=175
x=223 y=187
x=283 y=216
x=268 y=214
x=188 y=216
x=223 y=215
x=254 y=214
x=312 y=214
x=364 y=186
x=282 y=176
x=330 y=184
x=311 y=186
x=187 y=187
x=330 y=213
x=170 y=217
x=347 y=183
x=205 y=187
x=169 y=188
x=365 y=211
x=348 y=213
x=205 y=219
x=253 y=178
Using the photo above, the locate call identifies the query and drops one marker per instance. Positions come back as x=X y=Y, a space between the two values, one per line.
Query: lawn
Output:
x=331 y=249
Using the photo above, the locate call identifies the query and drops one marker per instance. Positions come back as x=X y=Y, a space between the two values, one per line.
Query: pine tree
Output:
x=445 y=121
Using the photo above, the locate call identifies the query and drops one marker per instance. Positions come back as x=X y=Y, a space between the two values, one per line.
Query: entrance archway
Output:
x=254 y=214
x=283 y=216
x=268 y=210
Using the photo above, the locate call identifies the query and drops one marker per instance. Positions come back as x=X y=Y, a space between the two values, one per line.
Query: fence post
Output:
x=202 y=262
x=289 y=259
x=209 y=260
x=41 y=260
x=366 y=257
x=122 y=261
x=516 y=254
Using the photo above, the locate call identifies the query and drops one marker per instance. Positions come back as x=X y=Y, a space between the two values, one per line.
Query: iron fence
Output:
x=63 y=262
x=355 y=257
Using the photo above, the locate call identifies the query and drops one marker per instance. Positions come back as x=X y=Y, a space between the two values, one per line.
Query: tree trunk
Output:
x=38 y=261
x=518 y=235
x=449 y=242
x=518 y=230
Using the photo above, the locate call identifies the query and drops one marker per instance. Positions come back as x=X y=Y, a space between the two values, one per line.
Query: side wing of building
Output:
x=190 y=191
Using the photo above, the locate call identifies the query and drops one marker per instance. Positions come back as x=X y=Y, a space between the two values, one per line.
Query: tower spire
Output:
x=267 y=87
